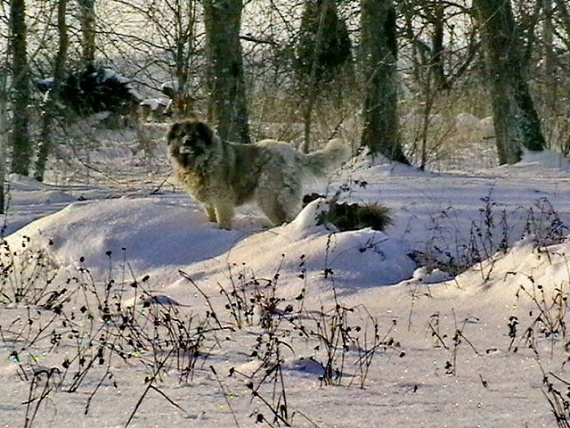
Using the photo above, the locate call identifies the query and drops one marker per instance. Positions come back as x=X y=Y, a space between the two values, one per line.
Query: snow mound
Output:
x=360 y=258
x=524 y=265
x=545 y=159
x=158 y=237
x=543 y=164
x=147 y=233
x=307 y=366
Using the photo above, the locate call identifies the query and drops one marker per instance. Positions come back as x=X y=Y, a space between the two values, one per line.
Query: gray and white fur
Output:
x=223 y=175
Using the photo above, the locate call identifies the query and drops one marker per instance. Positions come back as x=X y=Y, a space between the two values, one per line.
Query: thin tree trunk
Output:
x=312 y=85
x=549 y=55
x=20 y=138
x=548 y=32
x=50 y=104
x=438 y=56
x=87 y=21
x=3 y=136
x=379 y=55
x=562 y=10
x=226 y=83
x=184 y=47
x=516 y=122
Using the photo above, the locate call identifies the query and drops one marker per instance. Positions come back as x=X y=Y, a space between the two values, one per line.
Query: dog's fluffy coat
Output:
x=223 y=175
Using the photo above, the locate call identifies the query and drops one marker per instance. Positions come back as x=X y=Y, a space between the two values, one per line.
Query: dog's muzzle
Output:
x=186 y=150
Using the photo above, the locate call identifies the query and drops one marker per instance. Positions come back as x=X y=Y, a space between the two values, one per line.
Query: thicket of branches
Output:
x=388 y=75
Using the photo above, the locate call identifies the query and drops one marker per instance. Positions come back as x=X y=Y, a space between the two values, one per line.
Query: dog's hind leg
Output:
x=274 y=212
x=278 y=205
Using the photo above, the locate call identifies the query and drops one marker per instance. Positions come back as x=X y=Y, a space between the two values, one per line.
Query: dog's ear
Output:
x=173 y=132
x=205 y=132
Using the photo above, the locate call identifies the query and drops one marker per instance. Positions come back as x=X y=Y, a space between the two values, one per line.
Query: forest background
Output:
x=411 y=80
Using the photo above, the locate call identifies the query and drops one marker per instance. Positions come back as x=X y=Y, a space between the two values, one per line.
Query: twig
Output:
x=225 y=395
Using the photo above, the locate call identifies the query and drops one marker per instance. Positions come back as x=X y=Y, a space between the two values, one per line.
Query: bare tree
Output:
x=4 y=71
x=562 y=10
x=323 y=50
x=181 y=38
x=87 y=22
x=19 y=137
x=516 y=122
x=379 y=54
x=548 y=40
x=226 y=85
x=3 y=134
x=50 y=104
x=171 y=42
x=323 y=46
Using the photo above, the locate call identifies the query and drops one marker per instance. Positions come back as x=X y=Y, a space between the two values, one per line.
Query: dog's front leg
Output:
x=224 y=214
x=211 y=212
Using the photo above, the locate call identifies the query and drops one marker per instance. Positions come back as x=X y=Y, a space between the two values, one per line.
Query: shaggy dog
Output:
x=223 y=175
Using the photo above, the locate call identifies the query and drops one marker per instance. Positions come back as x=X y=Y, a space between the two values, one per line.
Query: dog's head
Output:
x=191 y=142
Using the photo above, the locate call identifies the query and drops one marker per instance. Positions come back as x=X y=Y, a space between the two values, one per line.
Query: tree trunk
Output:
x=50 y=105
x=548 y=39
x=87 y=21
x=323 y=52
x=3 y=135
x=312 y=81
x=516 y=122
x=437 y=19
x=379 y=55
x=549 y=54
x=184 y=43
x=228 y=106
x=19 y=138
x=562 y=11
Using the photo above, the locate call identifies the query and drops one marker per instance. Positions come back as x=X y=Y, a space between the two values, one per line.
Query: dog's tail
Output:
x=330 y=158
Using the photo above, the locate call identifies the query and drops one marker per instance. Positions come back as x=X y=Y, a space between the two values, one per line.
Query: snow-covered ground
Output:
x=131 y=269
